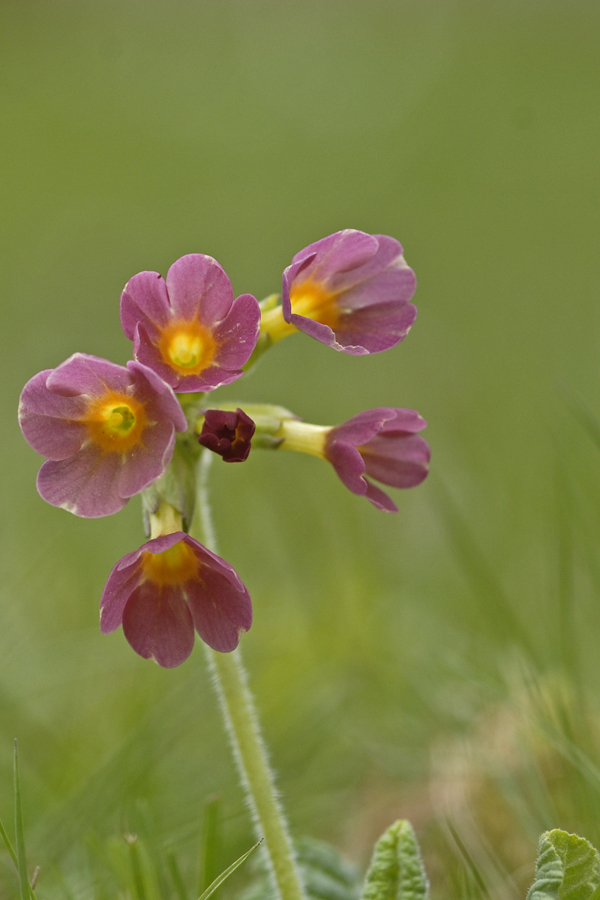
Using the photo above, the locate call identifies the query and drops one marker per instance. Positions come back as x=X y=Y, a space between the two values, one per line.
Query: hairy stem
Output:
x=237 y=705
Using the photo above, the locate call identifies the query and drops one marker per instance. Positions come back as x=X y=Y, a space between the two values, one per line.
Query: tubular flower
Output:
x=350 y=290
x=166 y=589
x=108 y=432
x=227 y=433
x=379 y=443
x=189 y=329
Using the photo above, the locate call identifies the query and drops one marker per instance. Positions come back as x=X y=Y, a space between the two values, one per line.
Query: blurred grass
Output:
x=439 y=665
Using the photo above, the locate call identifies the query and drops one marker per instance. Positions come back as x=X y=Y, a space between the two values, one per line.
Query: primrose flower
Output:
x=108 y=432
x=227 y=433
x=166 y=589
x=379 y=443
x=350 y=290
x=189 y=329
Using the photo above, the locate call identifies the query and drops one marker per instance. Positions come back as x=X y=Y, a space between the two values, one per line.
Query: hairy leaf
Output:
x=567 y=868
x=396 y=871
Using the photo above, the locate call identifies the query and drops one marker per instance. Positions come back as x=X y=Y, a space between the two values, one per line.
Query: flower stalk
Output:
x=230 y=680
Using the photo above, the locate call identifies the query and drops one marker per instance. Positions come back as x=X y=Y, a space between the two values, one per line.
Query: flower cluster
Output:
x=109 y=432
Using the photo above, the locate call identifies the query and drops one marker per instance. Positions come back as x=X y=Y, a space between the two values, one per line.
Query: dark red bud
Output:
x=227 y=433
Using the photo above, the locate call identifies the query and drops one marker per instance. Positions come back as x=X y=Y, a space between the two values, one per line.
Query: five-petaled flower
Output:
x=227 y=433
x=350 y=290
x=108 y=432
x=379 y=443
x=166 y=589
x=189 y=329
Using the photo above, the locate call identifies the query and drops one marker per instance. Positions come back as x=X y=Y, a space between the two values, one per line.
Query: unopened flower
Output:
x=107 y=431
x=189 y=329
x=350 y=290
x=227 y=433
x=378 y=443
x=167 y=589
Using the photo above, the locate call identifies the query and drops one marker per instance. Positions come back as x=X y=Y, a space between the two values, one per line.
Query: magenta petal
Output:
x=144 y=299
x=48 y=420
x=122 y=581
x=83 y=373
x=390 y=286
x=151 y=388
x=209 y=379
x=221 y=609
x=199 y=288
x=146 y=464
x=404 y=420
x=146 y=352
x=379 y=498
x=338 y=252
x=349 y=465
x=158 y=624
x=398 y=460
x=375 y=328
x=84 y=484
x=237 y=334
x=364 y=426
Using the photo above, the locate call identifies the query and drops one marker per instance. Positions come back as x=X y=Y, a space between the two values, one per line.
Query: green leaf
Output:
x=396 y=871
x=228 y=871
x=567 y=868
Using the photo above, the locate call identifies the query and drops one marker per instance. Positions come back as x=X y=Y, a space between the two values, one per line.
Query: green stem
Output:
x=250 y=754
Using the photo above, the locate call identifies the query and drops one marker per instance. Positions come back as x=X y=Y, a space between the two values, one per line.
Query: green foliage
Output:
x=568 y=868
x=396 y=871
x=325 y=873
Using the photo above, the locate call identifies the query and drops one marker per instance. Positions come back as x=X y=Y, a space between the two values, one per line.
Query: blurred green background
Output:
x=441 y=664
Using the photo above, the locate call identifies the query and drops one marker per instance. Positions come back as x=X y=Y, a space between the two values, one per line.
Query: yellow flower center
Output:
x=311 y=300
x=308 y=299
x=176 y=565
x=187 y=347
x=116 y=422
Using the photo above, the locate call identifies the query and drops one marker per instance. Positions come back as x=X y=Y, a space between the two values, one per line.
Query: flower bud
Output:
x=227 y=433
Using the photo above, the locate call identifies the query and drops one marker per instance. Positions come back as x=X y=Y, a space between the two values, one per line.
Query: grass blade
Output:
x=176 y=875
x=9 y=846
x=21 y=858
x=229 y=871
x=210 y=845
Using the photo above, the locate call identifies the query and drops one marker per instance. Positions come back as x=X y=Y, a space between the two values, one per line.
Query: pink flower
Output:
x=381 y=444
x=189 y=329
x=378 y=443
x=166 y=589
x=108 y=432
x=350 y=290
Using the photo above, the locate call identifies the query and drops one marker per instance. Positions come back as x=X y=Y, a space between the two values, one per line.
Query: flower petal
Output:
x=199 y=288
x=363 y=426
x=338 y=252
x=158 y=624
x=121 y=583
x=221 y=609
x=83 y=373
x=237 y=334
x=144 y=300
x=401 y=461
x=379 y=498
x=349 y=465
x=47 y=419
x=85 y=484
